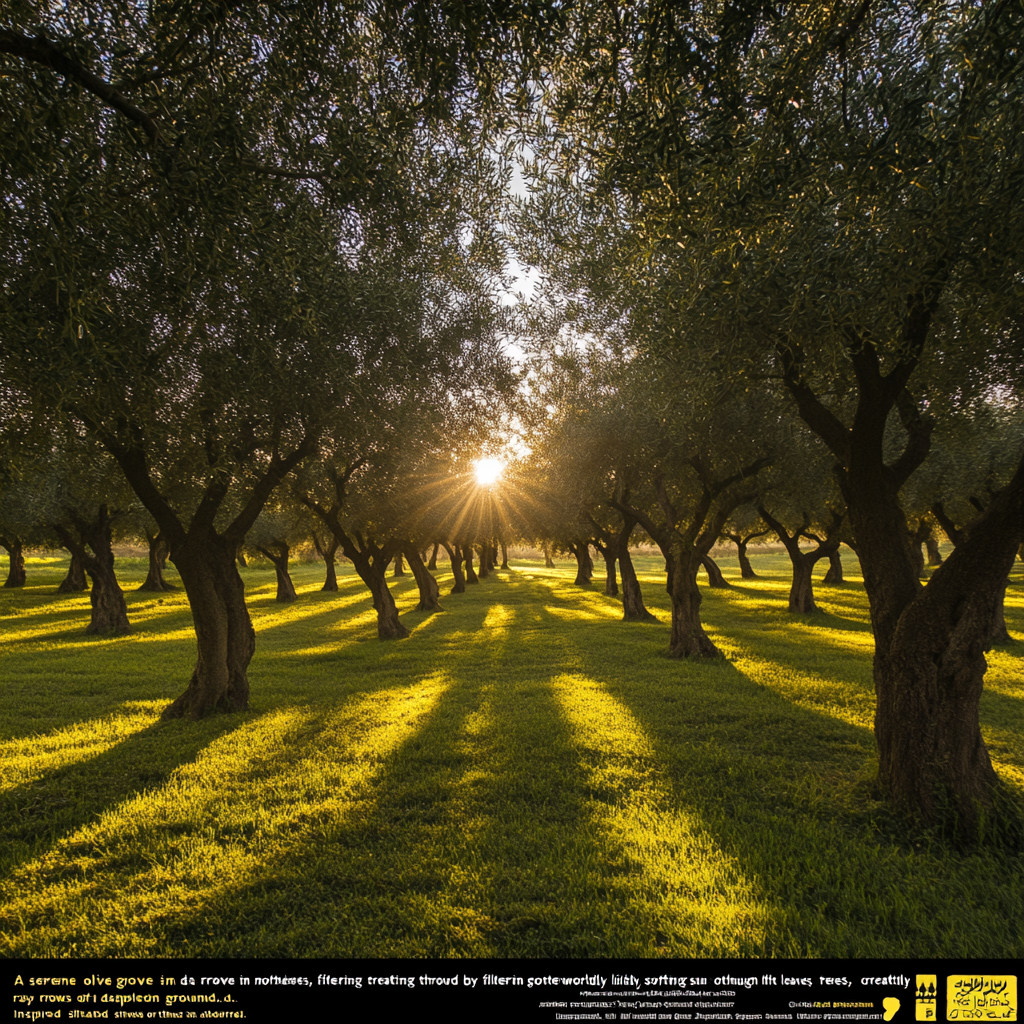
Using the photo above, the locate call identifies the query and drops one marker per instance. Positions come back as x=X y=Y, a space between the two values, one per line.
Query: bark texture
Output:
x=16 y=568
x=225 y=638
x=74 y=582
x=715 y=577
x=930 y=641
x=455 y=557
x=279 y=552
x=428 y=588
x=155 y=582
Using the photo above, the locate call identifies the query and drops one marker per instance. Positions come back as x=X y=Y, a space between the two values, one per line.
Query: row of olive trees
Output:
x=819 y=204
x=238 y=241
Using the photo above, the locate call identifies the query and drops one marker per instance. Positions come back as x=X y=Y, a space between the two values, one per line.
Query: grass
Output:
x=524 y=776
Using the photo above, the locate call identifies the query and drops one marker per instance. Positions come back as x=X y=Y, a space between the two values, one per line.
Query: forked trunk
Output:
x=109 y=611
x=328 y=551
x=155 y=582
x=633 y=607
x=279 y=555
x=715 y=577
x=834 y=574
x=930 y=648
x=428 y=588
x=225 y=638
x=74 y=582
x=16 y=571
x=688 y=639
x=455 y=557
x=432 y=564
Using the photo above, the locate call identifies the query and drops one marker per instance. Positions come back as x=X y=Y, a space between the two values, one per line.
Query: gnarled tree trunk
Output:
x=279 y=552
x=484 y=559
x=16 y=552
x=74 y=582
x=455 y=557
x=155 y=581
x=582 y=556
x=715 y=577
x=225 y=638
x=688 y=639
x=109 y=613
x=504 y=555
x=428 y=588
x=549 y=562
x=633 y=607
x=834 y=574
x=399 y=569
x=432 y=564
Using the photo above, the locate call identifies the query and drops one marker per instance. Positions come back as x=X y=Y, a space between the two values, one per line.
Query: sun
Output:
x=487 y=471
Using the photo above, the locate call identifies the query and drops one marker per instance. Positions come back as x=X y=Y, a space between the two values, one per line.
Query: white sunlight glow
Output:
x=487 y=471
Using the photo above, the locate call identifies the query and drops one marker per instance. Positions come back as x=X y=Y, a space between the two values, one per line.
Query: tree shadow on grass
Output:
x=35 y=816
x=784 y=791
x=478 y=840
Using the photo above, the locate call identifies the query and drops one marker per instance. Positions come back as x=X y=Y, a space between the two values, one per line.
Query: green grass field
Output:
x=524 y=776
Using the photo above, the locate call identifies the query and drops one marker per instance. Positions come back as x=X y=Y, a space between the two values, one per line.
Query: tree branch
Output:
x=39 y=50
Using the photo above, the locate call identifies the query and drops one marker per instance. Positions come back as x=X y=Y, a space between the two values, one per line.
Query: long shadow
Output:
x=34 y=817
x=784 y=791
x=475 y=838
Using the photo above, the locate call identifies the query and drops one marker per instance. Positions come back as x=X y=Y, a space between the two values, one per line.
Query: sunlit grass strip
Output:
x=705 y=906
x=271 y=786
x=29 y=758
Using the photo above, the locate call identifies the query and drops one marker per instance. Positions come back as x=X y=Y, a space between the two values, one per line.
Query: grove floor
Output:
x=525 y=775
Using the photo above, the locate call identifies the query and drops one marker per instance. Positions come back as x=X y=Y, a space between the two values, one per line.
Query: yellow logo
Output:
x=890 y=1004
x=981 y=997
x=926 y=988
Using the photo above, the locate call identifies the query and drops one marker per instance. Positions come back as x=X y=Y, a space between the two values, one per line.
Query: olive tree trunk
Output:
x=16 y=552
x=455 y=557
x=428 y=588
x=74 y=582
x=155 y=582
x=715 y=577
x=279 y=552
x=225 y=638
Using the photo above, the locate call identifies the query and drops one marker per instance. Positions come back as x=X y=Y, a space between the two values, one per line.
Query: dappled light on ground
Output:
x=271 y=786
x=705 y=905
x=24 y=760
x=524 y=775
